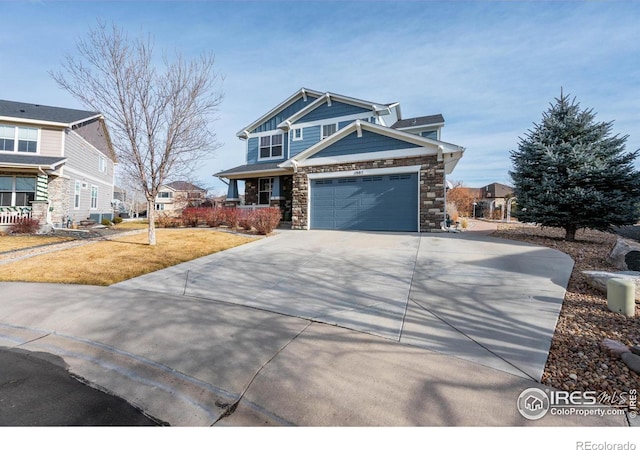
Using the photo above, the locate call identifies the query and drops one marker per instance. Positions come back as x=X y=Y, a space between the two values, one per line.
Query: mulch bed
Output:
x=576 y=361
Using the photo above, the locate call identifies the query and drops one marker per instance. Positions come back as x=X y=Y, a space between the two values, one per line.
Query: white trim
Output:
x=86 y=119
x=17 y=120
x=292 y=132
x=322 y=136
x=350 y=118
x=91 y=198
x=256 y=174
x=265 y=133
x=84 y=175
x=372 y=156
x=366 y=172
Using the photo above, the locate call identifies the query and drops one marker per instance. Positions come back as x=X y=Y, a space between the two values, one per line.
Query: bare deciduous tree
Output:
x=159 y=119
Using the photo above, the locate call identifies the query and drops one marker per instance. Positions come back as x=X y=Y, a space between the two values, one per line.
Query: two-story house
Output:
x=335 y=162
x=56 y=165
x=173 y=197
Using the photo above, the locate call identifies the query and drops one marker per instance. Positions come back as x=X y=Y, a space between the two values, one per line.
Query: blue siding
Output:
x=341 y=125
x=336 y=109
x=272 y=122
x=310 y=136
x=252 y=150
x=369 y=142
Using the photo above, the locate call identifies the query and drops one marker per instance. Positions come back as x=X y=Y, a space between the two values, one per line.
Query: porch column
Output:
x=232 y=192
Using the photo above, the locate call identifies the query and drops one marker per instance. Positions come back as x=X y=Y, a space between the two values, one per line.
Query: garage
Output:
x=386 y=202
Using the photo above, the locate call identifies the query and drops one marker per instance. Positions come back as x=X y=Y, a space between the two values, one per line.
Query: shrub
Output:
x=24 y=225
x=215 y=217
x=117 y=220
x=231 y=217
x=265 y=220
x=106 y=222
x=165 y=221
x=464 y=223
x=246 y=219
x=191 y=216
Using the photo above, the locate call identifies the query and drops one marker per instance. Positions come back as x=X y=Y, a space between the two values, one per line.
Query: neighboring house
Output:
x=56 y=164
x=493 y=199
x=173 y=197
x=335 y=162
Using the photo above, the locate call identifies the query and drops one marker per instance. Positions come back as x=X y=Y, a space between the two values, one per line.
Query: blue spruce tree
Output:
x=571 y=172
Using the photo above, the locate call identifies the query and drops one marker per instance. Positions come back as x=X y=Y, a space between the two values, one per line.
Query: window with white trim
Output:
x=102 y=164
x=265 y=185
x=271 y=146
x=165 y=194
x=328 y=130
x=17 y=190
x=94 y=197
x=76 y=194
x=296 y=134
x=159 y=206
x=18 y=139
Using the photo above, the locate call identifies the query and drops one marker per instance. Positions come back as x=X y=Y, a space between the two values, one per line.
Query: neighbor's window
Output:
x=27 y=140
x=7 y=138
x=17 y=191
x=264 y=190
x=76 y=195
x=164 y=194
x=102 y=164
x=328 y=130
x=271 y=146
x=159 y=206
x=94 y=197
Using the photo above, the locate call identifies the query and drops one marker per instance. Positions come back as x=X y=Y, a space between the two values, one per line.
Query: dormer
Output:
x=424 y=126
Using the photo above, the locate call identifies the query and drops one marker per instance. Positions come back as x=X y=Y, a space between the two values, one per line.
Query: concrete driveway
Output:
x=494 y=302
x=249 y=336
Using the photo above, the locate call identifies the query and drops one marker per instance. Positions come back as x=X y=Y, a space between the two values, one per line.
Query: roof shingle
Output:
x=41 y=112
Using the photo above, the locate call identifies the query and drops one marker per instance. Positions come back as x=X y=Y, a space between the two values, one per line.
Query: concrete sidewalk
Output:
x=197 y=363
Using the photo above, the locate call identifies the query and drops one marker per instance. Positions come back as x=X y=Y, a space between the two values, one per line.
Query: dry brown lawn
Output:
x=17 y=242
x=133 y=225
x=111 y=261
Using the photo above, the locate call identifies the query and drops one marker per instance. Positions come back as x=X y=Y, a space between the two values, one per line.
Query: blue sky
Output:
x=491 y=68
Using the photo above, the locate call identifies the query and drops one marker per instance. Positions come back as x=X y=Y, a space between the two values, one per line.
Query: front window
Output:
x=94 y=197
x=264 y=190
x=17 y=191
x=271 y=146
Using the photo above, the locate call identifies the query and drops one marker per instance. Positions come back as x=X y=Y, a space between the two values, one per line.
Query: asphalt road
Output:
x=37 y=390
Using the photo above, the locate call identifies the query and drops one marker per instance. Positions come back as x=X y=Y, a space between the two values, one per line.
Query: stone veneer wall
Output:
x=431 y=188
x=60 y=192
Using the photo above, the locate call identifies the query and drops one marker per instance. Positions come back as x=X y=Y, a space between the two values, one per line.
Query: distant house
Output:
x=173 y=197
x=330 y=161
x=493 y=199
x=56 y=165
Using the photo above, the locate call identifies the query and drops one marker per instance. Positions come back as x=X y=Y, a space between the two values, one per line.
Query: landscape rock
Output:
x=598 y=279
x=632 y=361
x=635 y=349
x=614 y=348
x=625 y=255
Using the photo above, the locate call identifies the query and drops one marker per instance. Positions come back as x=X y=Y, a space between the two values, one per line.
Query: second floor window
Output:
x=271 y=146
x=18 y=139
x=102 y=164
x=164 y=194
x=328 y=130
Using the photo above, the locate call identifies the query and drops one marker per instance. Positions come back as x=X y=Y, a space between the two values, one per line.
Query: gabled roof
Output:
x=358 y=125
x=301 y=93
x=269 y=168
x=53 y=115
x=183 y=186
x=24 y=161
x=435 y=119
x=328 y=97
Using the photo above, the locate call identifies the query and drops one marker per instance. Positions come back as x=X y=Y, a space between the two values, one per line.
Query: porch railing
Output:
x=13 y=214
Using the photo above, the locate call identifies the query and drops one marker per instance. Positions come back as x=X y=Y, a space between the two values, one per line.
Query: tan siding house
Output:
x=56 y=165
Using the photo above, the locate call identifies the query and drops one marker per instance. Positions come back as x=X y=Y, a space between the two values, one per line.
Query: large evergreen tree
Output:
x=571 y=172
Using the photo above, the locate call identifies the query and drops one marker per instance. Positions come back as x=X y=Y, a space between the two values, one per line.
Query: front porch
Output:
x=260 y=192
x=13 y=214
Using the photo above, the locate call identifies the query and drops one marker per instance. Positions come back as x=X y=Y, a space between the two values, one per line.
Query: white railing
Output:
x=252 y=207
x=12 y=214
